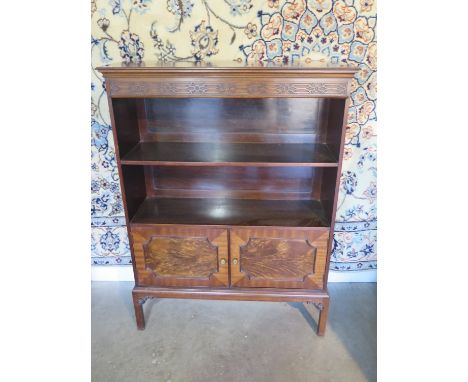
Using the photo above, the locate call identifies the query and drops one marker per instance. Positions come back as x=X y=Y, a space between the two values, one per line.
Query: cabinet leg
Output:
x=138 y=302
x=323 y=306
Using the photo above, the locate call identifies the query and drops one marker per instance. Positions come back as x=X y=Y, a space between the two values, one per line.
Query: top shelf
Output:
x=231 y=154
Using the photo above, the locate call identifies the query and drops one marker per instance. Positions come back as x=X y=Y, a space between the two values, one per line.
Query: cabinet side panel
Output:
x=135 y=188
x=328 y=189
x=126 y=124
x=132 y=136
x=344 y=117
x=335 y=124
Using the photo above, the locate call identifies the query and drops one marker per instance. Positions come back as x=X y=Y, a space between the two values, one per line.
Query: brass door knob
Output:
x=235 y=261
x=223 y=261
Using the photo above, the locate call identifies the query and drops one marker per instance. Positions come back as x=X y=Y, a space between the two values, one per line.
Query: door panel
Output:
x=181 y=256
x=278 y=258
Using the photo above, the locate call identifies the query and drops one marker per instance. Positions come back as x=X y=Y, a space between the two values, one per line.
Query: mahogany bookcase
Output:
x=229 y=176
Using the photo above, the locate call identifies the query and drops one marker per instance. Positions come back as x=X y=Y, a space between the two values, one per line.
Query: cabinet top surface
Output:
x=228 y=67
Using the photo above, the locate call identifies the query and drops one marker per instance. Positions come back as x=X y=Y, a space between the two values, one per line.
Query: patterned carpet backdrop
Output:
x=242 y=30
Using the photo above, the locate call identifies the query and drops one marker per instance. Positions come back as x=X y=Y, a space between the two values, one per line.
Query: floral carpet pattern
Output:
x=338 y=31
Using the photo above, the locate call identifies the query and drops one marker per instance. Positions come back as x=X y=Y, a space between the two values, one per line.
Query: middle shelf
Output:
x=230 y=154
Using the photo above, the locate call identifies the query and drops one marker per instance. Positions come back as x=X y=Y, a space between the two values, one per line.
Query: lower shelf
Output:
x=232 y=212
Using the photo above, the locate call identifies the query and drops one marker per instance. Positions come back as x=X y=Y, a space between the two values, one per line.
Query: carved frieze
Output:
x=225 y=87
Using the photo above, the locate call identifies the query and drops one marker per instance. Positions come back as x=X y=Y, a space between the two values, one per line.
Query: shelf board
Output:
x=230 y=154
x=232 y=212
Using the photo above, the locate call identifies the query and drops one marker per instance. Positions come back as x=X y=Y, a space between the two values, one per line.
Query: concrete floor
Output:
x=196 y=340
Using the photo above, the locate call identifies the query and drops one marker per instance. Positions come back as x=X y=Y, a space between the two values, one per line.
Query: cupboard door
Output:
x=173 y=256
x=278 y=257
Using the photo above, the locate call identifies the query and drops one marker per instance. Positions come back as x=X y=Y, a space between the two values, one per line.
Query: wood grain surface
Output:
x=181 y=256
x=278 y=258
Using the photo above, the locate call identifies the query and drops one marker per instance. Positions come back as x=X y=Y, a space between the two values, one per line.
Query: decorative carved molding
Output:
x=226 y=88
x=196 y=88
x=318 y=305
x=151 y=87
x=327 y=88
x=167 y=88
x=257 y=88
x=286 y=88
x=139 y=88
x=142 y=300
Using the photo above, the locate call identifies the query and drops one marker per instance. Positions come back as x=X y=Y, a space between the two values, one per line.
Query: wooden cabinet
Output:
x=229 y=177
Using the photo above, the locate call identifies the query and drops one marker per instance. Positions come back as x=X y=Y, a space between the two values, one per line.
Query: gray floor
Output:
x=196 y=340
